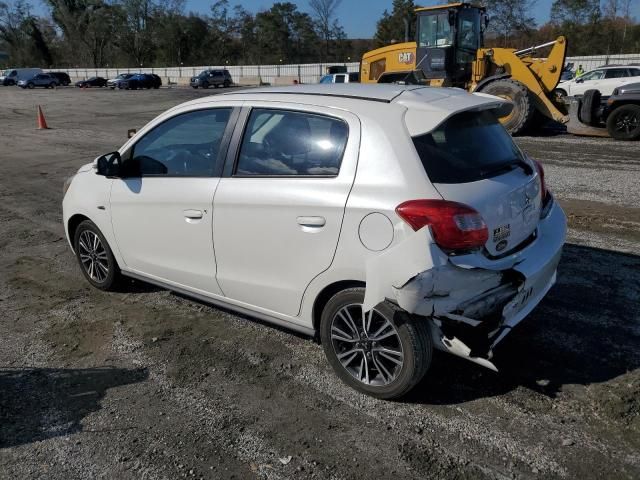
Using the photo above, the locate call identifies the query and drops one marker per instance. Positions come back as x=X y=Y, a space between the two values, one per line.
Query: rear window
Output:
x=467 y=147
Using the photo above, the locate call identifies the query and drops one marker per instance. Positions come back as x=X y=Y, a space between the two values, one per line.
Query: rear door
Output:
x=471 y=159
x=278 y=209
x=614 y=77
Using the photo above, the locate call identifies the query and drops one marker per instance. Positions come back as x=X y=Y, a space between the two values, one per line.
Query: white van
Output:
x=11 y=76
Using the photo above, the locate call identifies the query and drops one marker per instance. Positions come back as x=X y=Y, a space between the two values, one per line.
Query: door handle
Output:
x=193 y=214
x=311 y=221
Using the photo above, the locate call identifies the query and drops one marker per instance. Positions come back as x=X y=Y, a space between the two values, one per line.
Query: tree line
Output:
x=126 y=33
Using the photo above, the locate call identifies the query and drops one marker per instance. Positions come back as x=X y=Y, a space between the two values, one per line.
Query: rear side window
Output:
x=286 y=143
x=635 y=72
x=617 y=73
x=467 y=147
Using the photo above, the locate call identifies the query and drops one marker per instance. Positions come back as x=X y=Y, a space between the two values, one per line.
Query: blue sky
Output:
x=359 y=17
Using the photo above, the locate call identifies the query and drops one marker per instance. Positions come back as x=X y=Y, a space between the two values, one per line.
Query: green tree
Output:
x=391 y=27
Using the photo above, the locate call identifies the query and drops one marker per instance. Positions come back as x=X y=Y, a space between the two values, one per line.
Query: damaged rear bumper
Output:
x=473 y=301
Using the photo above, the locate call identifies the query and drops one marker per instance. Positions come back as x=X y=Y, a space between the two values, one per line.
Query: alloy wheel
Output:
x=367 y=345
x=627 y=122
x=93 y=256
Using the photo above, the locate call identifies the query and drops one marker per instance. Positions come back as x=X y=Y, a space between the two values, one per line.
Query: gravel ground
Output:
x=146 y=384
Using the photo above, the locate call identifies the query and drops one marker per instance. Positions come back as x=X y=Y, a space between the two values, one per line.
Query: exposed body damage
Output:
x=472 y=301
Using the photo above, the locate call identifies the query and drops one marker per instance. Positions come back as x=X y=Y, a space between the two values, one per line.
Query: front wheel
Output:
x=95 y=257
x=383 y=353
x=52 y=85
x=624 y=122
x=517 y=93
x=30 y=85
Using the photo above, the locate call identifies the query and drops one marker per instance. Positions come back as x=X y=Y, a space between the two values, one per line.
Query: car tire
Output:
x=518 y=120
x=590 y=103
x=226 y=84
x=623 y=123
x=52 y=85
x=386 y=368
x=95 y=257
x=195 y=87
x=30 y=85
x=205 y=85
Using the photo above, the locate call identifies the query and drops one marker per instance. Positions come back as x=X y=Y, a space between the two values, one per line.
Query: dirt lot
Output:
x=146 y=384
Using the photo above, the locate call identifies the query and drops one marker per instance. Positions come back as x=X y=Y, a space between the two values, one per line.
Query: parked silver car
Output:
x=40 y=80
x=387 y=220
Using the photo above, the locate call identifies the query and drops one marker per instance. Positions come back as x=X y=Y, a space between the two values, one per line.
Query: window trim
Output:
x=222 y=152
x=233 y=156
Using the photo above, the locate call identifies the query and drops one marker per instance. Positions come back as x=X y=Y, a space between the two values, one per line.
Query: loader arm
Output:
x=539 y=76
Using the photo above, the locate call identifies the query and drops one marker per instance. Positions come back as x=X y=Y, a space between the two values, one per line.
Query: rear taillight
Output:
x=543 y=186
x=455 y=226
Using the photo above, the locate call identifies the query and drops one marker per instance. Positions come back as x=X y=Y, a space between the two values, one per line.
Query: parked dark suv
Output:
x=63 y=78
x=215 y=78
x=142 y=80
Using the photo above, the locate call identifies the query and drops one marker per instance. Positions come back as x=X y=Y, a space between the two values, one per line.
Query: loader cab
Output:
x=448 y=37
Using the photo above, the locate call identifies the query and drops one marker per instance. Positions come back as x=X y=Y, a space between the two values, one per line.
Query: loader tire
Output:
x=518 y=120
x=590 y=104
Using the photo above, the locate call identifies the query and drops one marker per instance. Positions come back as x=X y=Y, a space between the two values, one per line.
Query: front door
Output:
x=588 y=81
x=278 y=210
x=162 y=210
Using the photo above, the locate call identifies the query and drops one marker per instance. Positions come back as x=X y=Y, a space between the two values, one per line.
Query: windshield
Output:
x=435 y=30
x=467 y=147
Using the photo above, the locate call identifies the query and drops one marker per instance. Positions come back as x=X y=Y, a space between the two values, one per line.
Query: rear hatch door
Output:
x=471 y=159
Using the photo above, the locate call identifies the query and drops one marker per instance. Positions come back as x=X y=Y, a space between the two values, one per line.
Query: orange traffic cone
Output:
x=42 y=123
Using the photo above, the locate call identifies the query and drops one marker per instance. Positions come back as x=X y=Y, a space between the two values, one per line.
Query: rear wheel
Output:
x=95 y=257
x=518 y=120
x=383 y=353
x=52 y=85
x=624 y=122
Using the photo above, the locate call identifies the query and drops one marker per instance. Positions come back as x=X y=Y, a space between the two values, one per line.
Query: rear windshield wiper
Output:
x=508 y=166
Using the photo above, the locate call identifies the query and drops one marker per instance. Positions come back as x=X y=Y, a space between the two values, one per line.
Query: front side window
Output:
x=285 y=143
x=467 y=147
x=435 y=31
x=469 y=30
x=593 y=75
x=185 y=145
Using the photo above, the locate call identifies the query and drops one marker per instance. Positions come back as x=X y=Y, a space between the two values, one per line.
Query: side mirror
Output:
x=109 y=165
x=131 y=132
x=579 y=80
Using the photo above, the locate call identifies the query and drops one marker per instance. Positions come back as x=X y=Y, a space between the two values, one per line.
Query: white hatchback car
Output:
x=604 y=79
x=389 y=220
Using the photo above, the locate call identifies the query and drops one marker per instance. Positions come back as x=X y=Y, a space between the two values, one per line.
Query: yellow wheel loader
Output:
x=449 y=52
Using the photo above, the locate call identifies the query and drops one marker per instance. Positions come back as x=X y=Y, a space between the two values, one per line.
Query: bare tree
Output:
x=324 y=13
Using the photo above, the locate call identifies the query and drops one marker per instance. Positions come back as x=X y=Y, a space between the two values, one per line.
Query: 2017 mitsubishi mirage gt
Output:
x=388 y=220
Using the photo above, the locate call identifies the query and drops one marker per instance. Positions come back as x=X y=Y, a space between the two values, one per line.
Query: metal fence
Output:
x=304 y=73
x=591 y=62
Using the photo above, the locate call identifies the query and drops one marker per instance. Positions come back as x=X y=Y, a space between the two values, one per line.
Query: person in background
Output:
x=579 y=71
